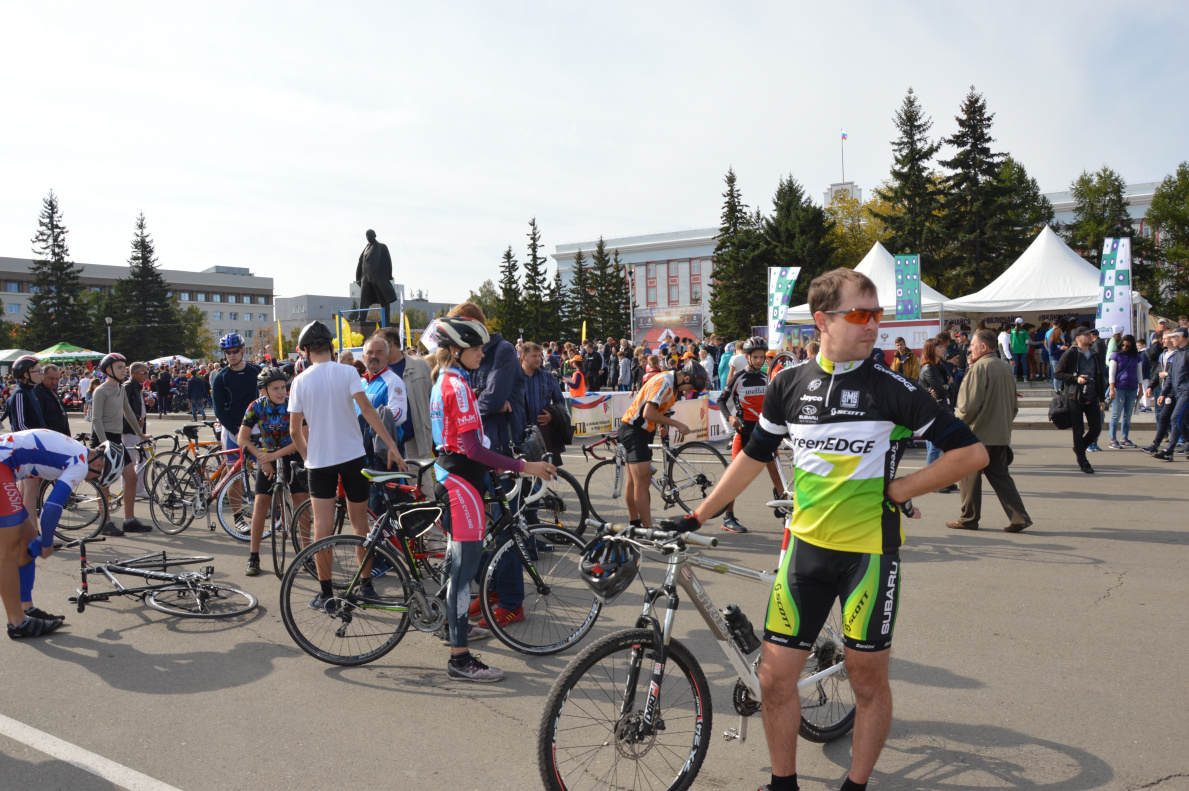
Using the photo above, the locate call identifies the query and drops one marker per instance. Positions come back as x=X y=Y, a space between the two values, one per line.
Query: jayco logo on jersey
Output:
x=815 y=384
x=811 y=398
x=850 y=399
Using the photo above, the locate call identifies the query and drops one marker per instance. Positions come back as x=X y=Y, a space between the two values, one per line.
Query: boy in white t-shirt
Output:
x=328 y=393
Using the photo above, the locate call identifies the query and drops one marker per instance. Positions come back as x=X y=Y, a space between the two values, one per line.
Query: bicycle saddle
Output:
x=384 y=476
x=190 y=430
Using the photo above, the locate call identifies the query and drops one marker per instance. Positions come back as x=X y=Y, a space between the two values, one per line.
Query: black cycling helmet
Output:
x=270 y=374
x=753 y=343
x=111 y=359
x=608 y=566
x=22 y=365
x=697 y=373
x=461 y=332
x=313 y=333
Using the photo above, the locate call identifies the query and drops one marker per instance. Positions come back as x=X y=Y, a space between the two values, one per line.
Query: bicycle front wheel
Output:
x=559 y=609
x=237 y=500
x=282 y=525
x=590 y=736
x=174 y=499
x=355 y=628
x=84 y=512
x=201 y=600
x=694 y=469
x=827 y=705
x=605 y=486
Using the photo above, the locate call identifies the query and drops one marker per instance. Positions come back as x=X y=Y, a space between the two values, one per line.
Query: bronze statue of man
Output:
x=374 y=275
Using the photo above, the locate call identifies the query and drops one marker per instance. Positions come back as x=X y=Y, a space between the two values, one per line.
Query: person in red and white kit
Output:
x=740 y=404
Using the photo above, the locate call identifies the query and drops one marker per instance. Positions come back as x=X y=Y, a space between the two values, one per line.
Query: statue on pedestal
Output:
x=374 y=276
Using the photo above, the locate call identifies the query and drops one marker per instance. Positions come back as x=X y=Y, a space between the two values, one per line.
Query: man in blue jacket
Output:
x=197 y=392
x=1178 y=374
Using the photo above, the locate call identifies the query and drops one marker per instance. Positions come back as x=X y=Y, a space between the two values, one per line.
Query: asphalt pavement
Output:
x=1049 y=659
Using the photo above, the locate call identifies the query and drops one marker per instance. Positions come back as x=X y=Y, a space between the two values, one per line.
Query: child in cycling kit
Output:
x=270 y=413
x=50 y=456
x=464 y=457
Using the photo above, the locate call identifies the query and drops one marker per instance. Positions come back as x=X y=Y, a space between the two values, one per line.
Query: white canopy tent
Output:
x=880 y=266
x=171 y=359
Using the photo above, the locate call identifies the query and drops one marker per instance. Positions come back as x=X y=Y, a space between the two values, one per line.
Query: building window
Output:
x=695 y=294
x=216 y=297
x=14 y=307
x=169 y=293
x=260 y=301
x=652 y=270
x=185 y=296
x=673 y=294
x=217 y=315
x=14 y=288
x=201 y=297
x=652 y=295
x=231 y=298
x=232 y=316
x=695 y=266
x=34 y=289
x=248 y=333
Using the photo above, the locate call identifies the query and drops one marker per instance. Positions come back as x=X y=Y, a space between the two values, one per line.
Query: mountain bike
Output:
x=634 y=708
x=690 y=471
x=188 y=594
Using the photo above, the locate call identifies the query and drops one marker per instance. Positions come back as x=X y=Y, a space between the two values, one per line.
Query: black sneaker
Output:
x=327 y=604
x=474 y=670
x=110 y=529
x=367 y=591
x=1086 y=468
x=253 y=567
x=134 y=525
x=32 y=627
x=731 y=525
x=37 y=612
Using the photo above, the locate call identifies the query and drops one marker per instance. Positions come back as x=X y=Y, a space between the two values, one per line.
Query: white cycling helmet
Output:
x=113 y=462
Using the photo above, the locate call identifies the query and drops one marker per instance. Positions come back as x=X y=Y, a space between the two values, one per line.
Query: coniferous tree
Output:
x=976 y=203
x=624 y=315
x=1100 y=211
x=555 y=309
x=797 y=234
x=536 y=284
x=147 y=319
x=55 y=308
x=578 y=301
x=1027 y=210
x=733 y=293
x=1169 y=216
x=510 y=316
x=912 y=198
x=607 y=292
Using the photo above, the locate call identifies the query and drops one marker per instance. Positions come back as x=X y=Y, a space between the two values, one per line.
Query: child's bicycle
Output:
x=187 y=594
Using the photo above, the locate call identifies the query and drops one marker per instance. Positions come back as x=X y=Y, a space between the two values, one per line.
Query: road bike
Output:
x=683 y=476
x=284 y=525
x=633 y=710
x=358 y=627
x=187 y=594
x=183 y=492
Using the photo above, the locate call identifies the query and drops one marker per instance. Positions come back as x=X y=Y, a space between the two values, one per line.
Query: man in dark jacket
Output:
x=52 y=409
x=499 y=387
x=197 y=391
x=1178 y=375
x=1085 y=387
x=592 y=366
x=162 y=386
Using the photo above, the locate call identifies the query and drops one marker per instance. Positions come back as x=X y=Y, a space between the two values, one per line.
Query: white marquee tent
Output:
x=880 y=266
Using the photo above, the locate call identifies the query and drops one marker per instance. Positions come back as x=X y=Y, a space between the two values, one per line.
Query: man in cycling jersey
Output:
x=847 y=418
x=740 y=404
x=47 y=455
x=637 y=429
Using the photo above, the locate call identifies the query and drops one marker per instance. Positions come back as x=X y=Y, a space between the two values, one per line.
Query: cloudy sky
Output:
x=271 y=135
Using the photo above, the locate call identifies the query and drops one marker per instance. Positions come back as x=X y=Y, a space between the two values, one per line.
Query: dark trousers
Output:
x=971 y=488
x=1087 y=425
x=1163 y=420
x=1180 y=412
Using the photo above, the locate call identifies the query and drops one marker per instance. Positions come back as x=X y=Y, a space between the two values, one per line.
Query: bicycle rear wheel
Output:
x=587 y=741
x=357 y=629
x=605 y=486
x=828 y=705
x=201 y=600
x=563 y=504
x=174 y=499
x=237 y=503
x=557 y=613
x=84 y=512
x=694 y=469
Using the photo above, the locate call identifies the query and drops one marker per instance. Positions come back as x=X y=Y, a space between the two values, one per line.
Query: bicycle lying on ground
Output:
x=188 y=594
x=633 y=710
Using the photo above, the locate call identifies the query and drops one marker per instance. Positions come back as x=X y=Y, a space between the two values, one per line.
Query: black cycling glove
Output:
x=687 y=524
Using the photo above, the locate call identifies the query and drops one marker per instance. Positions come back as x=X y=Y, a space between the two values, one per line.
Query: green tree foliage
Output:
x=55 y=310
x=578 y=300
x=1027 y=210
x=510 y=313
x=623 y=307
x=555 y=309
x=856 y=227
x=913 y=202
x=606 y=307
x=488 y=300
x=796 y=234
x=536 y=285
x=739 y=288
x=976 y=203
x=197 y=340
x=147 y=319
x=1169 y=216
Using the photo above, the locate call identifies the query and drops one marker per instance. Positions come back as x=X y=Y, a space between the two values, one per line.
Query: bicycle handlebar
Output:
x=76 y=542
x=654 y=534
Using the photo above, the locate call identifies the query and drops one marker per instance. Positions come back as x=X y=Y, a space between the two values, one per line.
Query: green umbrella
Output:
x=66 y=352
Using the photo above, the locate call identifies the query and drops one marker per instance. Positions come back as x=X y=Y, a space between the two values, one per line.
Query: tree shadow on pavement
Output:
x=946 y=756
x=929 y=676
x=971 y=545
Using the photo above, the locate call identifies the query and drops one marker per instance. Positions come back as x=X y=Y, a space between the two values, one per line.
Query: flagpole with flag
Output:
x=280 y=344
x=842 y=148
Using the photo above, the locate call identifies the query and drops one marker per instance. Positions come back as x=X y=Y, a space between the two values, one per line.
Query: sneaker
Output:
x=475 y=611
x=1115 y=445
x=1163 y=455
x=37 y=612
x=1086 y=468
x=1150 y=449
x=1093 y=447
x=731 y=525
x=367 y=591
x=380 y=566
x=327 y=604
x=474 y=670
x=1128 y=444
x=253 y=567
x=477 y=633
x=110 y=529
x=503 y=617
x=134 y=525
x=238 y=519
x=32 y=627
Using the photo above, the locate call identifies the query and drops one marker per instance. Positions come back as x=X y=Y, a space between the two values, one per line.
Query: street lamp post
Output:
x=108 y=320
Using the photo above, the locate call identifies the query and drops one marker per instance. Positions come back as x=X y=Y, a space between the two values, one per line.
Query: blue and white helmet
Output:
x=231 y=341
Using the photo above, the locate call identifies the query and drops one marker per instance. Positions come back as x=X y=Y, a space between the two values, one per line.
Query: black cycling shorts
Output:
x=812 y=578
x=324 y=481
x=297 y=483
x=635 y=442
x=742 y=437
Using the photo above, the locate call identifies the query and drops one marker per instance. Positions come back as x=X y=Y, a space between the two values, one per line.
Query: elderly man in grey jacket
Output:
x=415 y=373
x=987 y=403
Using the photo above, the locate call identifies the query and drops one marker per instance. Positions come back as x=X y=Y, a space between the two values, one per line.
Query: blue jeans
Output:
x=1021 y=362
x=1121 y=409
x=933 y=453
x=196 y=404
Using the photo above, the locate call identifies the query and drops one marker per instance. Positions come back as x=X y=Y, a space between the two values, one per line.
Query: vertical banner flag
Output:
x=408 y=330
x=280 y=342
x=908 y=287
x=584 y=332
x=781 y=280
x=400 y=320
x=1114 y=287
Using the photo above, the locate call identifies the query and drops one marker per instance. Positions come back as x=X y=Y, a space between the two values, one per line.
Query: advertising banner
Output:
x=1114 y=287
x=656 y=325
x=715 y=430
x=908 y=287
x=693 y=414
x=914 y=333
x=781 y=280
x=591 y=414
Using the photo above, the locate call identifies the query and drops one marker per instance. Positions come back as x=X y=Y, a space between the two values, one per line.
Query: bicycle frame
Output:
x=109 y=570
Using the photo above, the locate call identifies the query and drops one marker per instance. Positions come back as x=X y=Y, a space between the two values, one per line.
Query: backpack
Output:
x=1060 y=414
